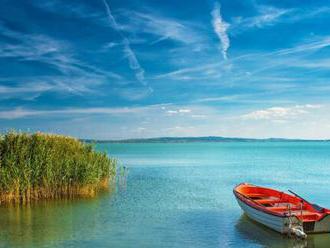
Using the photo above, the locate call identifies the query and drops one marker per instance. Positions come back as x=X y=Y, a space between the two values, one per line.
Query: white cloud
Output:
x=179 y=111
x=220 y=28
x=198 y=116
x=184 y=110
x=280 y=113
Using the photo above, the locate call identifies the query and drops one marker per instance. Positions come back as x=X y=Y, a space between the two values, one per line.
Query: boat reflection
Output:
x=258 y=234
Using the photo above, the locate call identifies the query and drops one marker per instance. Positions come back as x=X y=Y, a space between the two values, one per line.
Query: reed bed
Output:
x=45 y=166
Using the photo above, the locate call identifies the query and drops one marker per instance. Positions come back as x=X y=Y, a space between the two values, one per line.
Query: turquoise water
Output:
x=178 y=195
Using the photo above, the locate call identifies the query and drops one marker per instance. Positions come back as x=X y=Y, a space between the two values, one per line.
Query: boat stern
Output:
x=320 y=226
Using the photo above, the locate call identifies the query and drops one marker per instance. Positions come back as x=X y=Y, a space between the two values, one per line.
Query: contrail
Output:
x=220 y=28
x=133 y=62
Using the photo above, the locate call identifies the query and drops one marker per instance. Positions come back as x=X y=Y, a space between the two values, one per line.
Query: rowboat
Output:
x=282 y=212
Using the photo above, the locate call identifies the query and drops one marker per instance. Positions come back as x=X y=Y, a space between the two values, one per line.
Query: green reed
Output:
x=38 y=166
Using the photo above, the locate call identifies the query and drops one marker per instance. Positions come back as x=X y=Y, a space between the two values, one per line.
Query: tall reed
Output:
x=37 y=166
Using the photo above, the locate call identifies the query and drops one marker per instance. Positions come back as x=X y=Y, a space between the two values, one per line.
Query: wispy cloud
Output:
x=155 y=111
x=220 y=28
x=111 y=19
x=69 y=9
x=267 y=15
x=227 y=98
x=27 y=91
x=163 y=109
x=134 y=64
x=258 y=66
x=280 y=113
x=205 y=71
x=162 y=28
x=302 y=14
x=73 y=75
x=84 y=11
x=306 y=46
x=37 y=87
x=270 y=15
x=20 y=112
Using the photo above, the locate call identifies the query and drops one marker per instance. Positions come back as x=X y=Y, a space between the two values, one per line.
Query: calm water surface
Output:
x=178 y=195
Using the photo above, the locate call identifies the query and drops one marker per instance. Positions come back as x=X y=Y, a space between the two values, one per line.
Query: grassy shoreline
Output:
x=47 y=166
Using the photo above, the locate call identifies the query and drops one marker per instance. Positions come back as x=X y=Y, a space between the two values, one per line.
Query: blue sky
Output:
x=124 y=69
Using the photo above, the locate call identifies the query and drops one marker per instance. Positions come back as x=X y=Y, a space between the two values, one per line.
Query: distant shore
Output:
x=199 y=139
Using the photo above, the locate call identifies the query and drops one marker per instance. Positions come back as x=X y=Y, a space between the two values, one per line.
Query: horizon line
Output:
x=203 y=138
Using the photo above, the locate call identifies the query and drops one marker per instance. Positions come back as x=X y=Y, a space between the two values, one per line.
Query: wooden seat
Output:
x=268 y=201
x=306 y=215
x=282 y=209
x=257 y=195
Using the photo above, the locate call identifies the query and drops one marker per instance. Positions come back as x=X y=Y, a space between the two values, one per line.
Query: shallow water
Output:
x=178 y=195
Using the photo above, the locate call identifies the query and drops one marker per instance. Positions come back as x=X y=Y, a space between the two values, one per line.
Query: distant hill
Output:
x=194 y=139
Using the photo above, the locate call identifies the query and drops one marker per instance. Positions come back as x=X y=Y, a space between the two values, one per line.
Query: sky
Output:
x=110 y=69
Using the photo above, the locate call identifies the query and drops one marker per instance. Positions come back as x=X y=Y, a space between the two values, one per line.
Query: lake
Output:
x=177 y=195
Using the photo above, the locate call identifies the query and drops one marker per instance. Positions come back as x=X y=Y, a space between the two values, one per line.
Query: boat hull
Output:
x=321 y=226
x=276 y=223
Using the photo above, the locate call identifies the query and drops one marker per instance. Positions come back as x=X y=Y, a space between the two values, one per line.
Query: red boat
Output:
x=282 y=212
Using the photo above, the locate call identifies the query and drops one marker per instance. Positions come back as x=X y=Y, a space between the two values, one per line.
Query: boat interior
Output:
x=280 y=202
